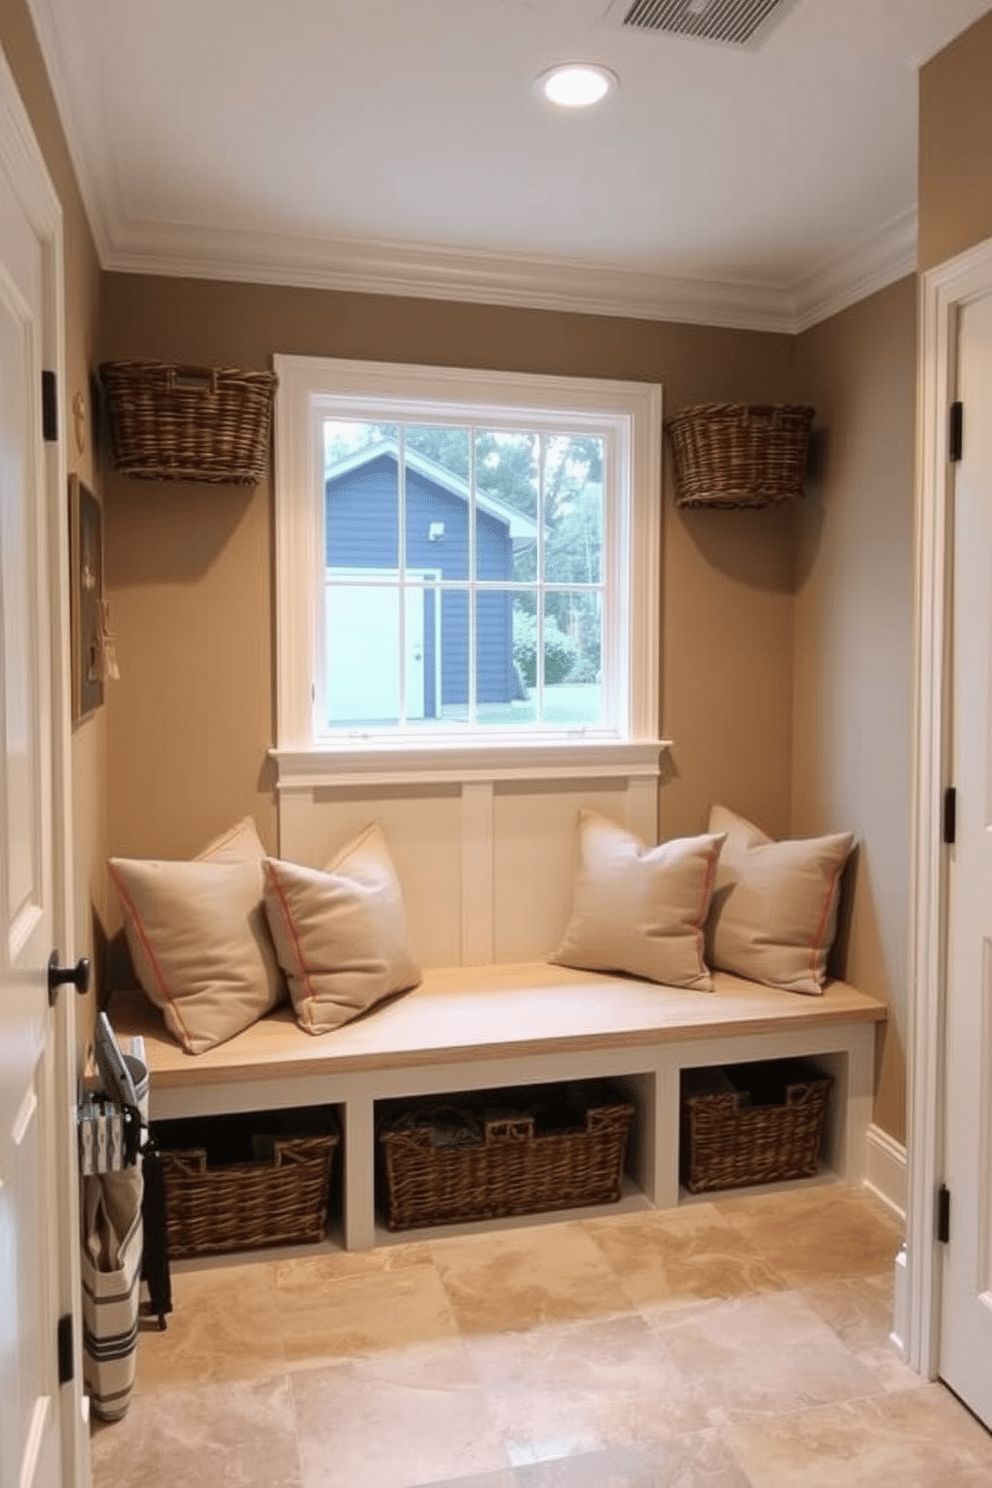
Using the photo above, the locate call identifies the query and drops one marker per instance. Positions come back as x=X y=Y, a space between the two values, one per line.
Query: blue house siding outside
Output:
x=362 y=532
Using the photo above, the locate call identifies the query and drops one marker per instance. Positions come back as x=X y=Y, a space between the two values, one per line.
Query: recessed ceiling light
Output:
x=576 y=84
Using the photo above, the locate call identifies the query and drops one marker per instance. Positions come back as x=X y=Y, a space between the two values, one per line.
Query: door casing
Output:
x=943 y=291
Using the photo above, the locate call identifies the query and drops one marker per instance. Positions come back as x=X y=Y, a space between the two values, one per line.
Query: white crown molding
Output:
x=97 y=188
x=435 y=272
x=873 y=264
x=576 y=286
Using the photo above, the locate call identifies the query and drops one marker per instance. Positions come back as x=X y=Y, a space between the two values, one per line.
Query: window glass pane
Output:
x=506 y=476
x=573 y=509
x=361 y=495
x=362 y=653
x=573 y=646
x=506 y=657
x=437 y=501
x=453 y=660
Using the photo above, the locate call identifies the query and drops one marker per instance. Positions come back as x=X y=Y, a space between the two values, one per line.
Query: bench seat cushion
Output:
x=491 y=1012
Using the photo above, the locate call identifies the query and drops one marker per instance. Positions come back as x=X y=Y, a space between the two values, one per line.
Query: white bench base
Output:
x=471 y=1028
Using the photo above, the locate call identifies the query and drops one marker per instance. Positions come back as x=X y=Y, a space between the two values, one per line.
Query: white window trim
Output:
x=299 y=556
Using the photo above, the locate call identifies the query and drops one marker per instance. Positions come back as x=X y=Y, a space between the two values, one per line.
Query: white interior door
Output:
x=966 y=1286
x=362 y=650
x=29 y=1268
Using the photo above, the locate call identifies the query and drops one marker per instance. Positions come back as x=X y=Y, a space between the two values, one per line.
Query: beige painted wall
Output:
x=82 y=294
x=190 y=566
x=955 y=184
x=181 y=747
x=852 y=730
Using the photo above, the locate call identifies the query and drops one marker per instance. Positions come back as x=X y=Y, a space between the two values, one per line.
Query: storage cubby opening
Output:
x=252 y=1180
x=510 y=1150
x=744 y=1125
x=245 y=1136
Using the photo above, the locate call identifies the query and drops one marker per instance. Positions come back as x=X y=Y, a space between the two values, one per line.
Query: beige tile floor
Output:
x=741 y=1343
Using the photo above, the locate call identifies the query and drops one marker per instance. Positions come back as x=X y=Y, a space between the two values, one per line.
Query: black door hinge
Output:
x=955 y=431
x=943 y=1214
x=65 y=1349
x=49 y=408
x=950 y=814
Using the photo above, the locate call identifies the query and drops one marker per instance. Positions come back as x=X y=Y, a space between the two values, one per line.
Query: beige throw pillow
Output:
x=199 y=945
x=236 y=845
x=198 y=937
x=637 y=909
x=340 y=932
x=774 y=911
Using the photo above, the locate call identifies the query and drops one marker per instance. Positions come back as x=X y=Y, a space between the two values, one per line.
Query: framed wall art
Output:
x=86 y=601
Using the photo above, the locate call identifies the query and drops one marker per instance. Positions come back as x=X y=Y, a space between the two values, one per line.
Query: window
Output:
x=464 y=559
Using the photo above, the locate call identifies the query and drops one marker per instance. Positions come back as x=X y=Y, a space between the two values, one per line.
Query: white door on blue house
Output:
x=39 y=1444
x=966 y=1284
x=368 y=666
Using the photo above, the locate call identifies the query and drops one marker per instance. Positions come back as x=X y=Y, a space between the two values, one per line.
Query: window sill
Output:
x=383 y=762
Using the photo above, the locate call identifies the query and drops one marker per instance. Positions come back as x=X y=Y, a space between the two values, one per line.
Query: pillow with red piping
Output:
x=640 y=909
x=198 y=937
x=340 y=932
x=773 y=916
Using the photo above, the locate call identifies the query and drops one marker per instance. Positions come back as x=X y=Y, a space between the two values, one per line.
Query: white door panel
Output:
x=33 y=1164
x=966 y=1288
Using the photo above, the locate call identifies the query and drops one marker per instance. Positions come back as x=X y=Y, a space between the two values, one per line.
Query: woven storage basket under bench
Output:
x=751 y=1123
x=503 y=1153
x=240 y=1183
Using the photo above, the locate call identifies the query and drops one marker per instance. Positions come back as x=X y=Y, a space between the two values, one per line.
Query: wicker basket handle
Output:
x=509 y=1129
x=189 y=1162
x=288 y=1152
x=798 y=1095
x=191 y=379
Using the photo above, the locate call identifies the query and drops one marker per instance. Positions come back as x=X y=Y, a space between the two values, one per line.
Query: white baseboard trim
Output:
x=900 y=1305
x=885 y=1169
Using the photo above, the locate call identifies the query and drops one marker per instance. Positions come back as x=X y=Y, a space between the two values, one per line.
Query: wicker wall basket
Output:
x=245 y=1205
x=511 y=1168
x=757 y=1123
x=739 y=454
x=172 y=422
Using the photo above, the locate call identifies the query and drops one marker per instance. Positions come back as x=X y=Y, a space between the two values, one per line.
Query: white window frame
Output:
x=312 y=388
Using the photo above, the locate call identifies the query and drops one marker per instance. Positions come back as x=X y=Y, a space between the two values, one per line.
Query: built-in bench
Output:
x=481 y=1027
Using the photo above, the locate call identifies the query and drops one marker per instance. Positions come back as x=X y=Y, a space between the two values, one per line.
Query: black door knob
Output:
x=78 y=975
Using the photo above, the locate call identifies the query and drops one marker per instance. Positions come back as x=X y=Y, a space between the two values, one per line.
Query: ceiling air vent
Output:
x=736 y=22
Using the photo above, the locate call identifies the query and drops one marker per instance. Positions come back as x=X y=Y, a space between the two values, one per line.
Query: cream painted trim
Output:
x=615 y=408
x=436 y=272
x=34 y=1440
x=873 y=264
x=900 y=1303
x=98 y=185
x=885 y=1169
x=574 y=286
x=944 y=290
x=367 y=763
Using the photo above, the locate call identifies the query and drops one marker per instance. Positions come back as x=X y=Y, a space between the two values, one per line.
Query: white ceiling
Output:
x=397 y=145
